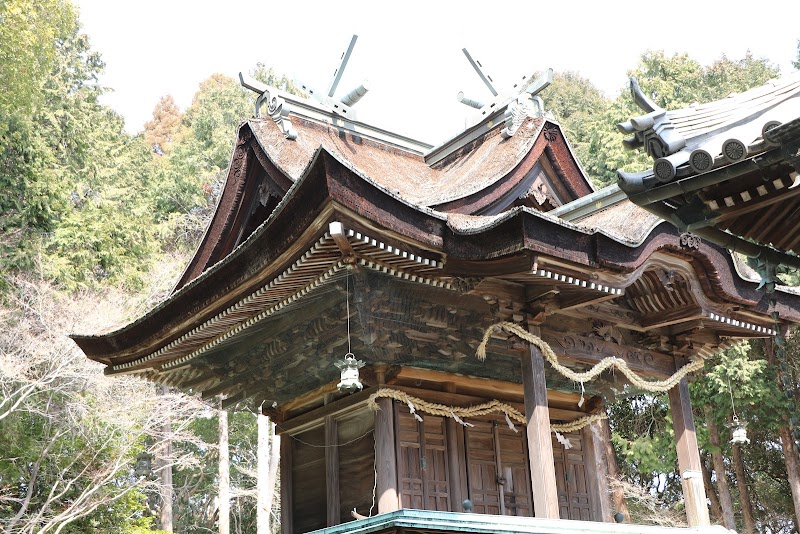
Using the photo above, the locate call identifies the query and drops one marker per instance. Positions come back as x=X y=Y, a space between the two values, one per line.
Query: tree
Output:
x=69 y=434
x=671 y=82
x=163 y=130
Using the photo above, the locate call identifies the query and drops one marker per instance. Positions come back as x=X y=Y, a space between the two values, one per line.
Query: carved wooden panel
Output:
x=592 y=350
x=574 y=499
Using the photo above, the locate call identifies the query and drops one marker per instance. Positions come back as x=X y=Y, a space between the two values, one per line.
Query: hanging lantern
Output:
x=349 y=380
x=739 y=431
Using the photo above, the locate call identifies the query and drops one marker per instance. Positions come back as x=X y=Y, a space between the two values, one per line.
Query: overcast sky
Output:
x=411 y=51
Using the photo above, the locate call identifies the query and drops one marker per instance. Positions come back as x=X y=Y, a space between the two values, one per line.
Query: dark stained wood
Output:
x=514 y=470
x=385 y=458
x=334 y=408
x=540 y=448
x=592 y=350
x=573 y=492
x=694 y=493
x=287 y=507
x=332 y=470
x=481 y=459
x=670 y=317
x=454 y=464
x=478 y=386
x=456 y=399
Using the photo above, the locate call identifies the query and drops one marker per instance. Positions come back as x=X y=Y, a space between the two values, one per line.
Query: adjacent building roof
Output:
x=726 y=170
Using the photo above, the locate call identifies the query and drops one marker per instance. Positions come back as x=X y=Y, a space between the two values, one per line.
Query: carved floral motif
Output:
x=689 y=240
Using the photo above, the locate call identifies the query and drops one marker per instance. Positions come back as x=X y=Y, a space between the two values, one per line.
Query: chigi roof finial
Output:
x=522 y=100
x=278 y=109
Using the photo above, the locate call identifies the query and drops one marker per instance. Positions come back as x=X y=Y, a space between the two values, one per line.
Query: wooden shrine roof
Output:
x=429 y=255
x=726 y=170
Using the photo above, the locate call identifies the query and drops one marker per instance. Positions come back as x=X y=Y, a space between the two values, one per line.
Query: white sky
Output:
x=411 y=50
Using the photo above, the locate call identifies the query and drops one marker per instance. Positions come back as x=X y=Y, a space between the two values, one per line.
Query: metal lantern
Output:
x=350 y=381
x=739 y=432
x=144 y=465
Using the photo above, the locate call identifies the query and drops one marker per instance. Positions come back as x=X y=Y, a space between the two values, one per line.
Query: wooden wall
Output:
x=439 y=463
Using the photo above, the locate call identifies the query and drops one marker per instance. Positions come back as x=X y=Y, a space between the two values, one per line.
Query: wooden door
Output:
x=573 y=491
x=422 y=461
x=497 y=470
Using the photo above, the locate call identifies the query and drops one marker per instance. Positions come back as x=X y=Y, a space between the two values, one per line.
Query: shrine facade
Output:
x=334 y=238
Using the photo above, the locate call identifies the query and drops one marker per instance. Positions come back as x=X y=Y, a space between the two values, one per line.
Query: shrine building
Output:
x=470 y=289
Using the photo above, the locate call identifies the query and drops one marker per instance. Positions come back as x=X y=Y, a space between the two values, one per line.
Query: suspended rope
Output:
x=655 y=386
x=454 y=412
x=457 y=413
x=577 y=424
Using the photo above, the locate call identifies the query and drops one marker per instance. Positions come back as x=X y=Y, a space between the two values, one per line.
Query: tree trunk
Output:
x=224 y=475
x=744 y=493
x=617 y=495
x=792 y=469
x=716 y=509
x=268 y=458
x=787 y=442
x=165 y=473
x=725 y=500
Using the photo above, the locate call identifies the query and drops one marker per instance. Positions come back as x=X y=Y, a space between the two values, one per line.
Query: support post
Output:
x=385 y=458
x=332 y=470
x=287 y=506
x=597 y=478
x=694 y=493
x=540 y=445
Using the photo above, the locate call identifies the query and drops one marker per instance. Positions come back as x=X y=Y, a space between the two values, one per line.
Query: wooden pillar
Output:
x=287 y=506
x=455 y=456
x=540 y=445
x=694 y=493
x=386 y=458
x=597 y=477
x=332 y=470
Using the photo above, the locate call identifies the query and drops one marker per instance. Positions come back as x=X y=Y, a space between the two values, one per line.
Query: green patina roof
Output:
x=421 y=520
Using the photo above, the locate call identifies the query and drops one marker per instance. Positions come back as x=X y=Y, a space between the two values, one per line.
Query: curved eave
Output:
x=496 y=194
x=231 y=211
x=646 y=191
x=330 y=191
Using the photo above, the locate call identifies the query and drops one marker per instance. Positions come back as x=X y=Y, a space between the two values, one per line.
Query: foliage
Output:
x=69 y=434
x=672 y=83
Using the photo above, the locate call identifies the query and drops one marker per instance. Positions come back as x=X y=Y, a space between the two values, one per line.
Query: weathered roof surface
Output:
x=624 y=221
x=267 y=284
x=476 y=167
x=726 y=170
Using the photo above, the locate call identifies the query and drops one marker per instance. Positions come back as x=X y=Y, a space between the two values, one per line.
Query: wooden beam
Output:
x=592 y=350
x=312 y=418
x=568 y=300
x=385 y=458
x=287 y=505
x=540 y=445
x=332 y=470
x=671 y=317
x=694 y=494
x=478 y=386
x=457 y=399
